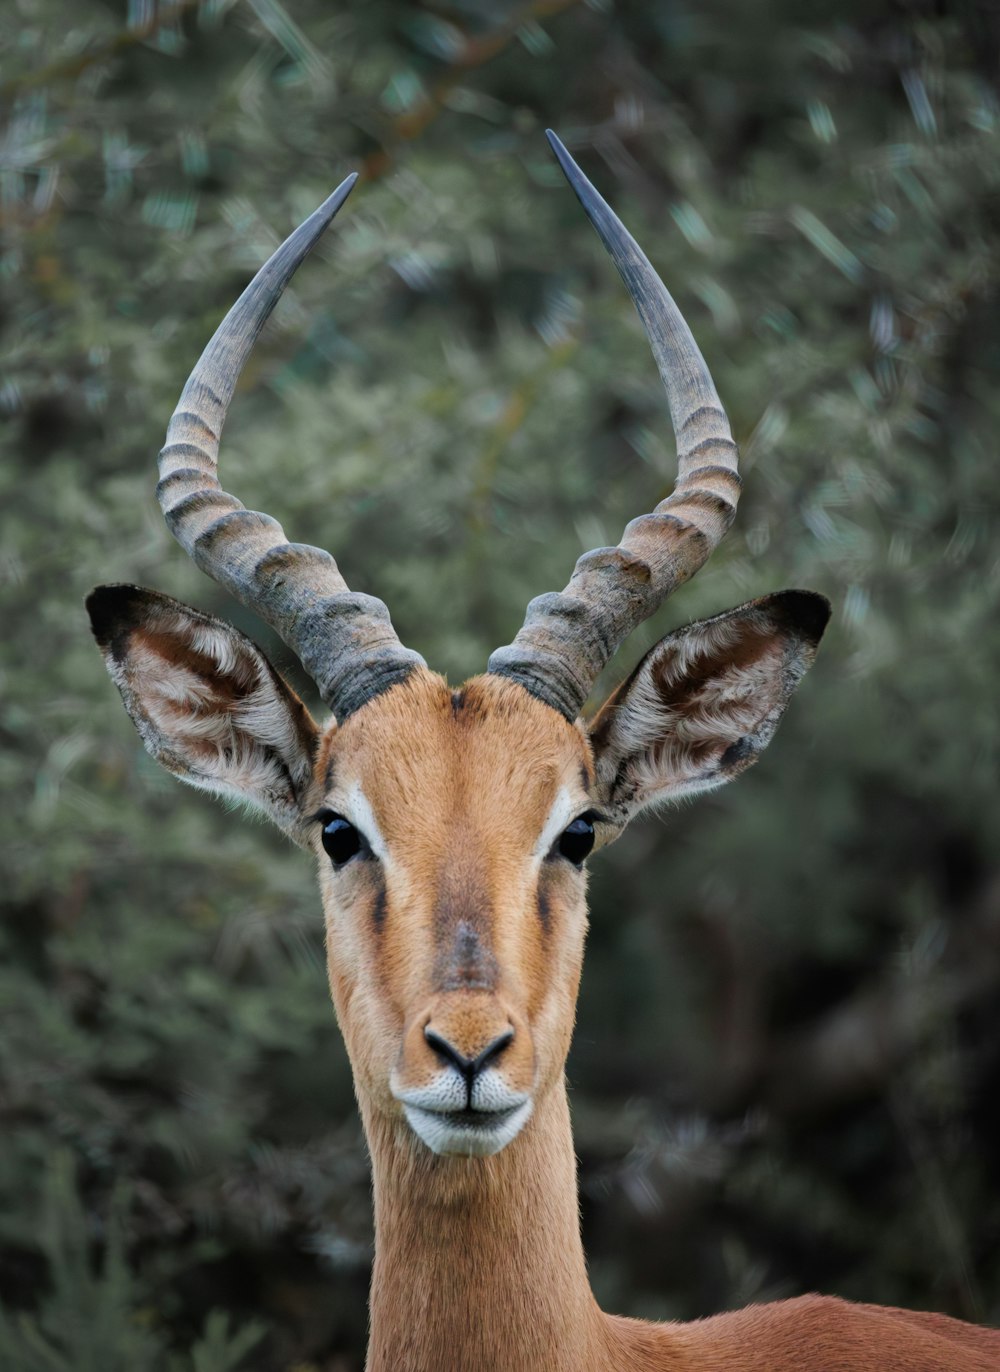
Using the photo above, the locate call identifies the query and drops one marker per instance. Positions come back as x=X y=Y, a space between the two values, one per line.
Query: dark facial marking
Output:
x=379 y=909
x=468 y=965
x=544 y=910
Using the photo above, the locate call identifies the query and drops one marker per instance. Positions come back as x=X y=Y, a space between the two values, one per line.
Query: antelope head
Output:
x=452 y=827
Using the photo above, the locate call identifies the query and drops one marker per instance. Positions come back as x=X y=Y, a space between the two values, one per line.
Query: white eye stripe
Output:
x=562 y=812
x=359 y=812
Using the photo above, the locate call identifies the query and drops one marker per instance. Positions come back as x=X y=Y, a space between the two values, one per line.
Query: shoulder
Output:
x=826 y=1334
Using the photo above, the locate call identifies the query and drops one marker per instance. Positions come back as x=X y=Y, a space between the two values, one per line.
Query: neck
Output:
x=478 y=1261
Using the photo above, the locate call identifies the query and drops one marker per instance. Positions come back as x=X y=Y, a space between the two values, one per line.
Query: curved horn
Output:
x=568 y=637
x=344 y=640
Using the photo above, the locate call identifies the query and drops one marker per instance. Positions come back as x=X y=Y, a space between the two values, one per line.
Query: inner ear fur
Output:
x=704 y=702
x=206 y=702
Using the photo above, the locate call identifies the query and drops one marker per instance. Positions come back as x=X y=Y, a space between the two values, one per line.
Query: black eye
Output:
x=576 y=841
x=341 y=840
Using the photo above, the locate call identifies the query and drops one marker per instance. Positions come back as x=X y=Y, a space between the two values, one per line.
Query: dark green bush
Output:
x=788 y=1053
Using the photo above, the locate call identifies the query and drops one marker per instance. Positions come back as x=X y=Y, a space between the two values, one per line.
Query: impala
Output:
x=451 y=829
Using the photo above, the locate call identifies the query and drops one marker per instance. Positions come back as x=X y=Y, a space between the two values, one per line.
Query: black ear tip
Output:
x=112 y=608
x=101 y=604
x=806 y=611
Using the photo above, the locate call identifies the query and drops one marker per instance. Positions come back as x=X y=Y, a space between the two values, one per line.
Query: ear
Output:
x=206 y=702
x=702 y=705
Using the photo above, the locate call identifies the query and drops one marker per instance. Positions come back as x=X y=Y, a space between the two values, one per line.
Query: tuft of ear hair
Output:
x=206 y=702
x=704 y=702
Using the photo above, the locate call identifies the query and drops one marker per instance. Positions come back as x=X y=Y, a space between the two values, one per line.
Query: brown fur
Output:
x=459 y=812
x=479 y=1264
x=467 y=923
x=479 y=1268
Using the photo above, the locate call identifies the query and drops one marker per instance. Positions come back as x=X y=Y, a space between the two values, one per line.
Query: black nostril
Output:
x=469 y=1067
x=448 y=1051
x=493 y=1050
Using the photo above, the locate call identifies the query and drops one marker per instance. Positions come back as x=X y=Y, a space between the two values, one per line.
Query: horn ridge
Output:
x=569 y=637
x=344 y=640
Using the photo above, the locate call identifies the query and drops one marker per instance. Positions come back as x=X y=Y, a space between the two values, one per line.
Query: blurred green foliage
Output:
x=94 y=1322
x=787 y=1066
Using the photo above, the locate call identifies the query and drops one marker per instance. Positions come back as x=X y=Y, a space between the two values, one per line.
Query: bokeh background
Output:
x=786 y=1074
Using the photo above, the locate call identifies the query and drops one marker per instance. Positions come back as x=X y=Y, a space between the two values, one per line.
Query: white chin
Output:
x=460 y=1137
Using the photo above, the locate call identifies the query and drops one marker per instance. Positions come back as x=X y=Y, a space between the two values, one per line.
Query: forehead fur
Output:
x=423 y=743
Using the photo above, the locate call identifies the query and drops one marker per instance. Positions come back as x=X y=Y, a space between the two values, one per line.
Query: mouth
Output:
x=467 y=1133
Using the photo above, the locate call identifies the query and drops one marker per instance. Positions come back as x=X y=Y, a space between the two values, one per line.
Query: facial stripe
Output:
x=561 y=813
x=361 y=815
x=379 y=908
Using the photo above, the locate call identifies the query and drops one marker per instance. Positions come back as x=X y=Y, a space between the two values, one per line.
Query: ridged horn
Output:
x=568 y=637
x=344 y=640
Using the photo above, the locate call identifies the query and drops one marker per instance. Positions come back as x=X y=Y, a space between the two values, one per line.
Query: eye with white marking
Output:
x=341 y=839
x=575 y=841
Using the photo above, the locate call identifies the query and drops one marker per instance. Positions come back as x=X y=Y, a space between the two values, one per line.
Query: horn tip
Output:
x=562 y=154
x=333 y=202
x=592 y=202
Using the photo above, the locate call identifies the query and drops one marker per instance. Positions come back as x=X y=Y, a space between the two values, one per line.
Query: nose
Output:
x=467 y=1057
x=469 y=1067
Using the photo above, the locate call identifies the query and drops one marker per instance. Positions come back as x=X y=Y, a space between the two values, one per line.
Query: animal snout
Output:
x=470 y=1067
x=463 y=1042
